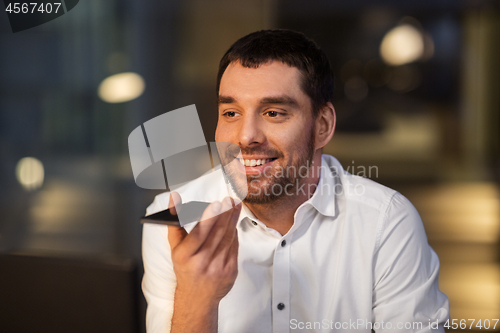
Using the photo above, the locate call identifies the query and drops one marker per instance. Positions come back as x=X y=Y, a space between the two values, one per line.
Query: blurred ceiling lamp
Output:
x=121 y=87
x=401 y=45
x=30 y=173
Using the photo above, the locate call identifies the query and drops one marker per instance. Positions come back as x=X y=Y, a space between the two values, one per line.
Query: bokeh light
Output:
x=30 y=173
x=121 y=87
x=401 y=45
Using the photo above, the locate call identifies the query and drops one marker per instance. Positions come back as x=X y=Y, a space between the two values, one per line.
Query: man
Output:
x=312 y=248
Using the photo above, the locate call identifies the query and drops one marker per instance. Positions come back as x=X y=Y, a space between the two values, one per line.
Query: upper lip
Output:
x=257 y=158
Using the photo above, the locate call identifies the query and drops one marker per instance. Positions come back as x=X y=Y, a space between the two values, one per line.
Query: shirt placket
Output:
x=281 y=287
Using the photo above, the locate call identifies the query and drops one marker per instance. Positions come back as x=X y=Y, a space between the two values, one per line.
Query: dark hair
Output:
x=291 y=48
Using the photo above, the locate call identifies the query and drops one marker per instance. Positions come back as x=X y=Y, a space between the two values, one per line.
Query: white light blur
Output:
x=121 y=87
x=30 y=173
x=402 y=45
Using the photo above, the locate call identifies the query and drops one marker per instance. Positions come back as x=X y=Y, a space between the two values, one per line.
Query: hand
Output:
x=205 y=261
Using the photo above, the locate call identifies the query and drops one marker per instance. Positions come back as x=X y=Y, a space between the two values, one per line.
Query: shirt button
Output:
x=254 y=223
x=281 y=306
x=283 y=243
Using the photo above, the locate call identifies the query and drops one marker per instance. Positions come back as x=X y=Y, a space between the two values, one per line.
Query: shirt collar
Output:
x=324 y=196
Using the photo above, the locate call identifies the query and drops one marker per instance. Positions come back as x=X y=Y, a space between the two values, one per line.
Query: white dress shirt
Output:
x=355 y=259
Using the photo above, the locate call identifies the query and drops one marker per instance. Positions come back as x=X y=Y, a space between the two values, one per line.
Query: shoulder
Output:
x=374 y=205
x=356 y=189
x=367 y=192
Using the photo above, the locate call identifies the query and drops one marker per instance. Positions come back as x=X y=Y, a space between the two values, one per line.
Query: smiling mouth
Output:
x=253 y=163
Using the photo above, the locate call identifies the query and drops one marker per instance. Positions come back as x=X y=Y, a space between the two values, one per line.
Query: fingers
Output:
x=218 y=230
x=201 y=231
x=226 y=244
x=175 y=234
x=213 y=234
x=231 y=223
x=223 y=232
x=231 y=256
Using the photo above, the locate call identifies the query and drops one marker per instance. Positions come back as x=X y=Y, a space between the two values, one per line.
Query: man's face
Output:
x=265 y=112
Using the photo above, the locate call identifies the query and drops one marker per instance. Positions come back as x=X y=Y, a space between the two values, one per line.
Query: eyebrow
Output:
x=225 y=100
x=282 y=99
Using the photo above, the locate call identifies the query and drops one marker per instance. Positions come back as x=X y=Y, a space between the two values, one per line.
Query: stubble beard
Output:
x=280 y=184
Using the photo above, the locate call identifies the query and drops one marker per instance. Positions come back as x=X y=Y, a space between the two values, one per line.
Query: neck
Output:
x=279 y=214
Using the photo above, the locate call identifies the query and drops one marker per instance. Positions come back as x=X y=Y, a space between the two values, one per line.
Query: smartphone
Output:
x=191 y=212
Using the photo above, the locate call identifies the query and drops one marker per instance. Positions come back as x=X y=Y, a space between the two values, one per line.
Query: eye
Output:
x=272 y=114
x=230 y=114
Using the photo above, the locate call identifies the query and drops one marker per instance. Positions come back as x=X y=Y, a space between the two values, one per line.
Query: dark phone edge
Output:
x=145 y=219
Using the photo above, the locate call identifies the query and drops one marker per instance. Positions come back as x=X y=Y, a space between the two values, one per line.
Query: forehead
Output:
x=272 y=78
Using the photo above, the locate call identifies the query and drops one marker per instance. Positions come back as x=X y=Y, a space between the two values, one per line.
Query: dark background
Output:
x=430 y=129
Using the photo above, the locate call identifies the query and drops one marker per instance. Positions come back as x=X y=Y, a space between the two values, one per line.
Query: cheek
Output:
x=297 y=142
x=220 y=133
x=289 y=140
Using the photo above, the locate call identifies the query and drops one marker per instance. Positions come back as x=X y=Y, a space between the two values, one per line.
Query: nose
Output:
x=250 y=132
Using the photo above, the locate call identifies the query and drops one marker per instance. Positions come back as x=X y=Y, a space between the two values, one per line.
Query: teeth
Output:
x=252 y=163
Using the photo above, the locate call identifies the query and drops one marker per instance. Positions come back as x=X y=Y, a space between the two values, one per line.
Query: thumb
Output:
x=175 y=234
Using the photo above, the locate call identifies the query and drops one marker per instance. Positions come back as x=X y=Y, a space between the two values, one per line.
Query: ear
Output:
x=325 y=125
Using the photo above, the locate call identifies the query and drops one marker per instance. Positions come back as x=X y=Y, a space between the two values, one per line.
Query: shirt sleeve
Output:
x=406 y=274
x=159 y=280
